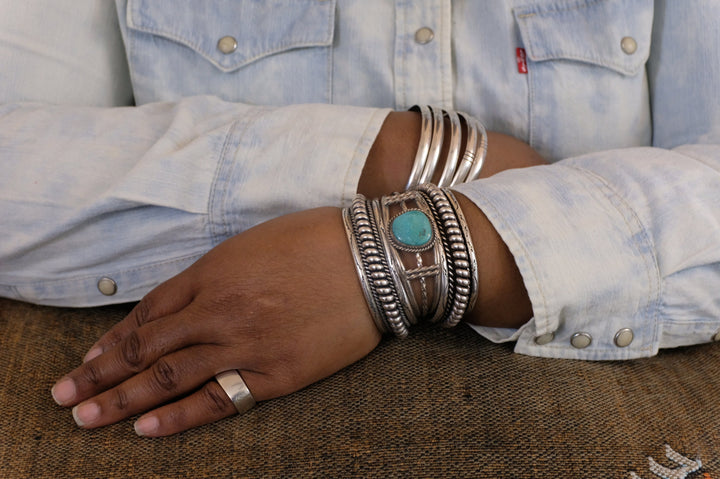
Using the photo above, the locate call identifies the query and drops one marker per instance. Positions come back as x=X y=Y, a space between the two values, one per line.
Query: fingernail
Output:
x=93 y=353
x=86 y=413
x=63 y=391
x=146 y=425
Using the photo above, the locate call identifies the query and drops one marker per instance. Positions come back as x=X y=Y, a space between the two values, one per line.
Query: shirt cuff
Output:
x=288 y=159
x=586 y=260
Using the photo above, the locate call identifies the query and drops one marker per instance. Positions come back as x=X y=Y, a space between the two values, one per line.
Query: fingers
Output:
x=207 y=405
x=171 y=376
x=168 y=298
x=140 y=349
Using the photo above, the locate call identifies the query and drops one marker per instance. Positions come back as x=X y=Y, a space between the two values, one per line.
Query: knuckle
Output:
x=120 y=399
x=131 y=351
x=215 y=399
x=90 y=374
x=143 y=312
x=165 y=375
x=114 y=337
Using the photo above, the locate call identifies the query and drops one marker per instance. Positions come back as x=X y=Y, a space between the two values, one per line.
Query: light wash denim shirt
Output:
x=247 y=110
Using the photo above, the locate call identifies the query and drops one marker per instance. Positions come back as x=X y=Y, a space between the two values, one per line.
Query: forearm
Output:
x=502 y=299
x=391 y=157
x=180 y=176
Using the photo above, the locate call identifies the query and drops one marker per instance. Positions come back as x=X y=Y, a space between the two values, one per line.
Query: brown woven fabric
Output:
x=440 y=404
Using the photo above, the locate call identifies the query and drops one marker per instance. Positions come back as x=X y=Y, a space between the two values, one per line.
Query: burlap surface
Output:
x=440 y=404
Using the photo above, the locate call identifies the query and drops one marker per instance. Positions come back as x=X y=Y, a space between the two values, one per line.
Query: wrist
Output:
x=502 y=300
x=391 y=157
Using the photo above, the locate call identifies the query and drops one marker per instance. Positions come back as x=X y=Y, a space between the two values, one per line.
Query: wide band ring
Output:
x=236 y=389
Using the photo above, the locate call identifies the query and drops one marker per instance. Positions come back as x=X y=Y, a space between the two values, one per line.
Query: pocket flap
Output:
x=260 y=28
x=590 y=31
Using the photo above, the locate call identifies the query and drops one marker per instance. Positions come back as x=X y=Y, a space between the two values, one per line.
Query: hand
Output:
x=281 y=303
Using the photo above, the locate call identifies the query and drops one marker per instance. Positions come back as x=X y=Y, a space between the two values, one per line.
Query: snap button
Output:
x=424 y=35
x=227 y=44
x=107 y=286
x=628 y=45
x=544 y=339
x=624 y=337
x=581 y=340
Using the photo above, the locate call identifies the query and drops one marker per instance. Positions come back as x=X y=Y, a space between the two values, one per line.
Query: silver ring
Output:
x=236 y=389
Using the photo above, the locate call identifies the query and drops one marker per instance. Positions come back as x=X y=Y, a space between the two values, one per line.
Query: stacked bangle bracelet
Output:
x=414 y=257
x=458 y=168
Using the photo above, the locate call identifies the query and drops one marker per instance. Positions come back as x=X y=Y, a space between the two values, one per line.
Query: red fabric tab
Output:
x=521 y=59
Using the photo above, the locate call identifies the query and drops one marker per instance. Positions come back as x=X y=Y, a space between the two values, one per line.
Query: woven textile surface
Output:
x=443 y=403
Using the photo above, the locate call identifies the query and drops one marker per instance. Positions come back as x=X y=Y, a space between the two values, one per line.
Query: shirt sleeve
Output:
x=99 y=205
x=619 y=251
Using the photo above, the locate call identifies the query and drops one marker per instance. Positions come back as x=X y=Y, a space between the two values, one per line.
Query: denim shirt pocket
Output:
x=274 y=52
x=586 y=73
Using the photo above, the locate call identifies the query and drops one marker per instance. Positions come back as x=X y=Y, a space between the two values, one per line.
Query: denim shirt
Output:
x=247 y=110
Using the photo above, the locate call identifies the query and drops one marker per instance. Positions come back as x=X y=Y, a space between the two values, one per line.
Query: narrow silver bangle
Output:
x=468 y=264
x=377 y=315
x=453 y=151
x=374 y=272
x=458 y=169
x=480 y=155
x=468 y=157
x=421 y=156
x=405 y=298
x=438 y=135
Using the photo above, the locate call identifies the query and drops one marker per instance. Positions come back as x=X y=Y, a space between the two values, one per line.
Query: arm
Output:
x=77 y=180
x=637 y=246
x=281 y=302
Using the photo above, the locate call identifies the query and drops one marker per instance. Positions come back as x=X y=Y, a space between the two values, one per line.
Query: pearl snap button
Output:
x=424 y=35
x=624 y=337
x=227 y=44
x=628 y=45
x=107 y=286
x=544 y=339
x=581 y=340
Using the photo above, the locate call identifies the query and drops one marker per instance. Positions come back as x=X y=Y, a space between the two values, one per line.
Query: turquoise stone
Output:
x=412 y=228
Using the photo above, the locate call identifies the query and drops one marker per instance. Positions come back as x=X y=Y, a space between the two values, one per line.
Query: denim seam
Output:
x=592 y=60
x=349 y=189
x=121 y=271
x=215 y=226
x=176 y=36
x=654 y=296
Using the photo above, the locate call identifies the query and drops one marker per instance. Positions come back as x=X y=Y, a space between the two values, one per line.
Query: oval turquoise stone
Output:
x=412 y=228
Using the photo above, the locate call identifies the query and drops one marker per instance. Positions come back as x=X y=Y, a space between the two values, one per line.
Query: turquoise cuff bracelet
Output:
x=414 y=258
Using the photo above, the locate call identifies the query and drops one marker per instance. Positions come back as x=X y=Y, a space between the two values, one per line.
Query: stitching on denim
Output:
x=14 y=293
x=629 y=68
x=118 y=271
x=555 y=8
x=330 y=58
x=212 y=202
x=280 y=47
x=616 y=199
